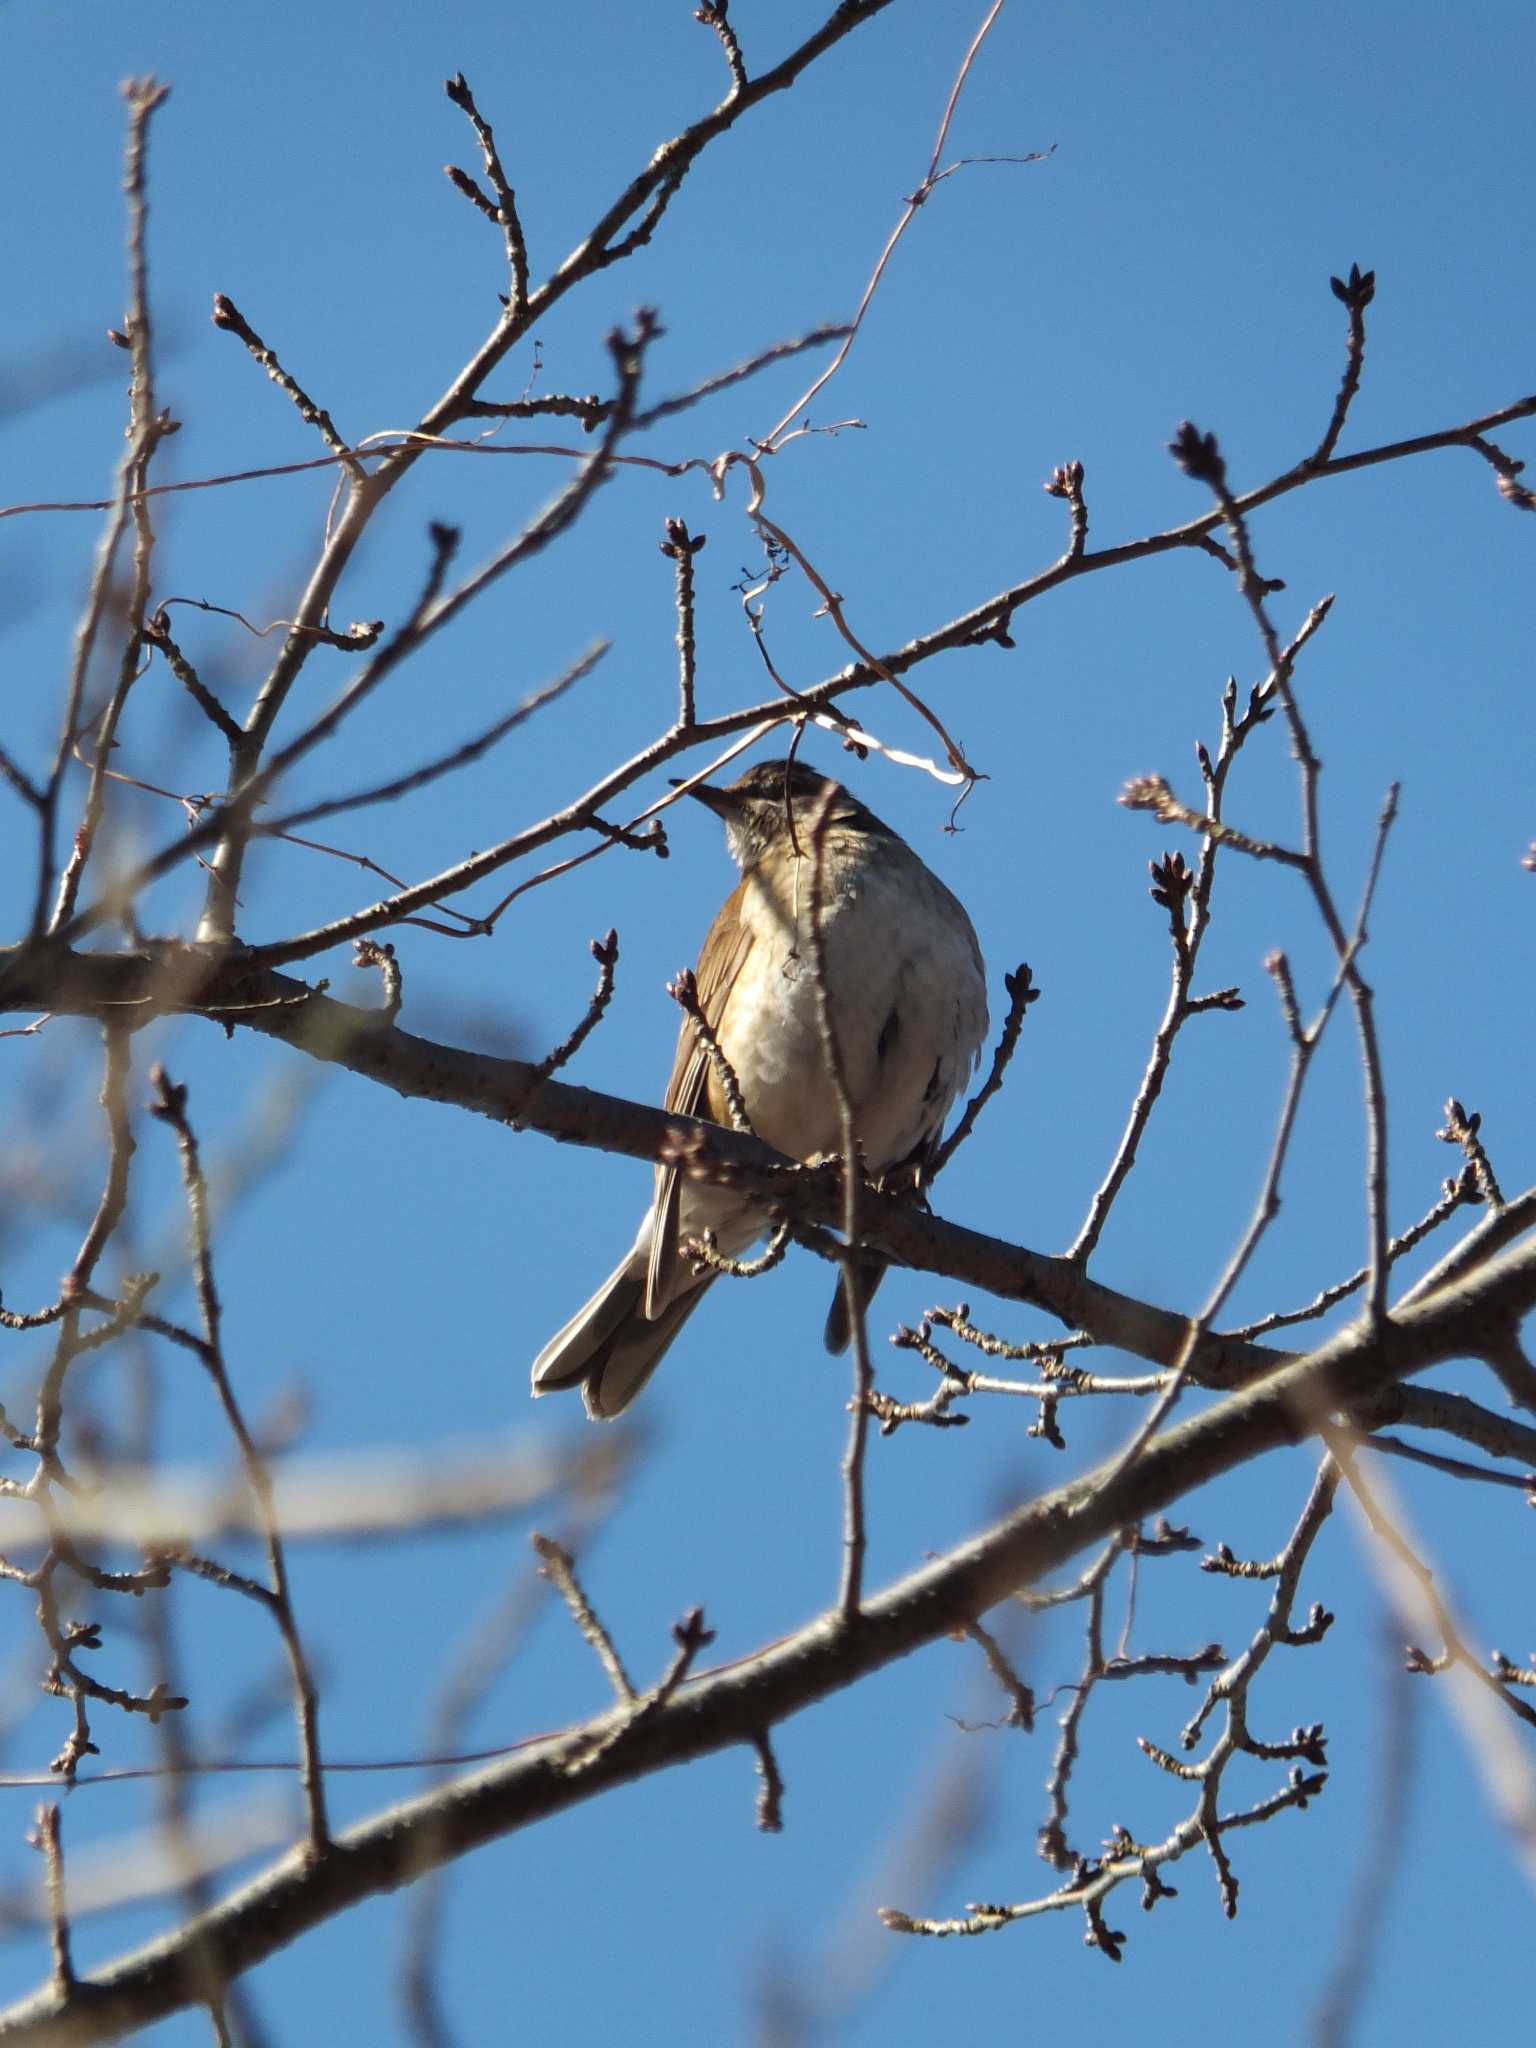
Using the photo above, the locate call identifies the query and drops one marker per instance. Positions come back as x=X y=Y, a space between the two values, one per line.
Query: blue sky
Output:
x=402 y=1264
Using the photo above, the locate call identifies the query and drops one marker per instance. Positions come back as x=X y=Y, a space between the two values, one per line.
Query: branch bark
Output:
x=735 y=1704
x=228 y=990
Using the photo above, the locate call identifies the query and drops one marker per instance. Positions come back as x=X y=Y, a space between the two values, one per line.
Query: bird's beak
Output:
x=722 y=802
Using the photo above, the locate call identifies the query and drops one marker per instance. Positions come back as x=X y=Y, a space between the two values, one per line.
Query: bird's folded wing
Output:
x=690 y=1093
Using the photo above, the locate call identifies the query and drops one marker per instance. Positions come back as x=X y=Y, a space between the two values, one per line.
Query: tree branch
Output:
x=736 y=1703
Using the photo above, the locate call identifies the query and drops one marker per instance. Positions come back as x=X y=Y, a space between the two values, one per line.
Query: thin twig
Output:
x=505 y=210
x=169 y=1106
x=361 y=634
x=684 y=991
x=763 y=359
x=690 y=1637
x=1200 y=458
x=714 y=14
x=605 y=952
x=1021 y=1699
x=1462 y=1129
x=705 y=1253
x=1457 y=1194
x=855 y=1535
x=21 y=781
x=1151 y=793
x=1021 y=994
x=1052 y=1841
x=147 y=428
x=227 y=314
x=49 y=1841
x=770 y=1791
x=1354 y=293
x=445 y=764
x=369 y=953
x=958 y=1321
x=1421 y=1579
x=1066 y=481
x=157 y=635
x=1304 y=1044
x=681 y=547
x=1189 y=909
x=930 y=178
x=559 y=1567
x=1454 y=1468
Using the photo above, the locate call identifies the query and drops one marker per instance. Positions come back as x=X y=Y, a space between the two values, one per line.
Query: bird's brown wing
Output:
x=694 y=1088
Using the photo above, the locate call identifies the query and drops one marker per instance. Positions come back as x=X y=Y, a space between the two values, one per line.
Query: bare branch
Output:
x=147 y=428
x=1354 y=293
x=707 y=1257
x=714 y=14
x=1021 y=994
x=684 y=991
x=1200 y=458
x=170 y=1107
x=227 y=314
x=504 y=212
x=1462 y=1129
x=48 y=1840
x=157 y=635
x=682 y=546
x=1417 y=1575
x=559 y=1567
x=855 y=1536
x=605 y=952
x=770 y=1796
x=445 y=764
x=1457 y=1193
x=776 y=435
x=368 y=953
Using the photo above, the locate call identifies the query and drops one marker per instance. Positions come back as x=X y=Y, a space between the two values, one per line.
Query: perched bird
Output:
x=907 y=991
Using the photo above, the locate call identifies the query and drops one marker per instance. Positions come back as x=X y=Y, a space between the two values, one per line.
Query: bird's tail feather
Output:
x=608 y=1347
x=839 y=1330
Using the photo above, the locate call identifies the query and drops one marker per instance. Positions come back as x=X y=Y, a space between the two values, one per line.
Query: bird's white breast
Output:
x=908 y=991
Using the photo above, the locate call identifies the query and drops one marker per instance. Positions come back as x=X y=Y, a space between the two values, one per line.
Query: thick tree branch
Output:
x=133 y=988
x=735 y=1704
x=229 y=991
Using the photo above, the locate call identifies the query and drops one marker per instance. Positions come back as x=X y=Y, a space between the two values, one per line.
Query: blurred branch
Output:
x=147 y=428
x=321 y=1500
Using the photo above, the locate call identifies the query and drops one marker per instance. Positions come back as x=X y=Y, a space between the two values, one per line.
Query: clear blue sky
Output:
x=403 y=1264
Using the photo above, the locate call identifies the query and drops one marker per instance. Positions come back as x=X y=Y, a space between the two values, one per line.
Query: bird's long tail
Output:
x=608 y=1348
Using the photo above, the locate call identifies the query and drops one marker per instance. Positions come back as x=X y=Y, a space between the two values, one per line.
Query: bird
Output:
x=906 y=988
